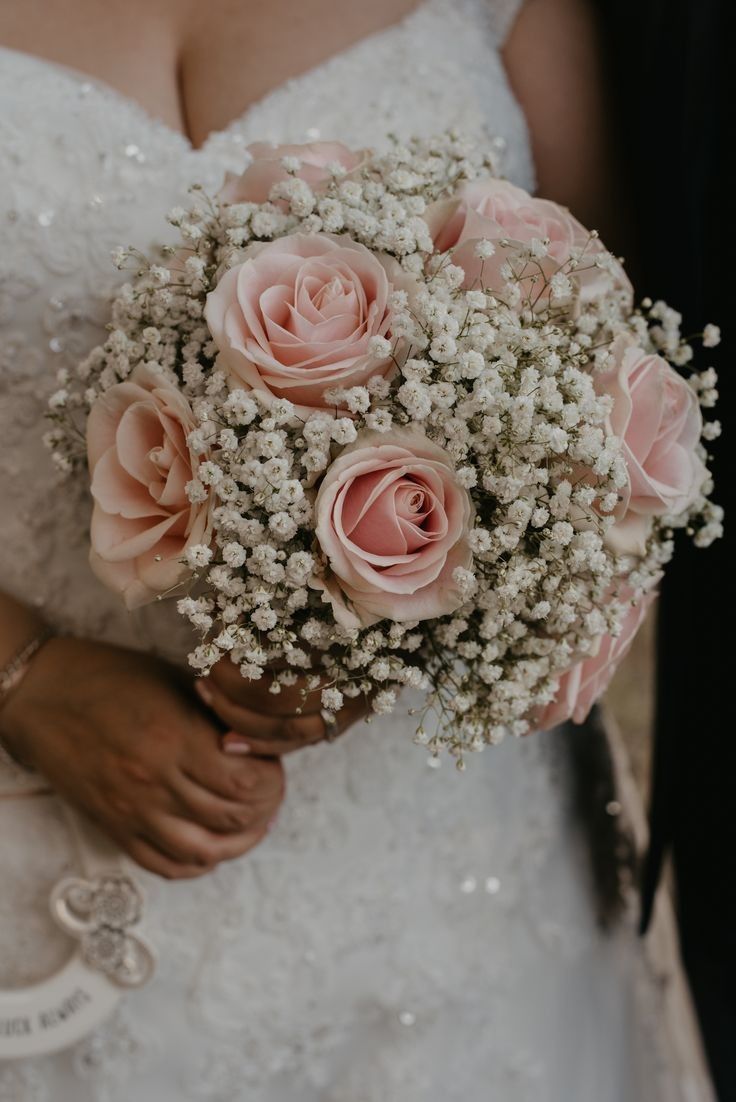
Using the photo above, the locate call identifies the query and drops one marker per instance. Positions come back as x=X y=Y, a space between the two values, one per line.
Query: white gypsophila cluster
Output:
x=502 y=379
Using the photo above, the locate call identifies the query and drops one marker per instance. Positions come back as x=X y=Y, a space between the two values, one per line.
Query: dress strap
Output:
x=503 y=14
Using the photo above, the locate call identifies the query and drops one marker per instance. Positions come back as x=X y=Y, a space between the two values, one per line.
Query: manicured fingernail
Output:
x=237 y=748
x=204 y=691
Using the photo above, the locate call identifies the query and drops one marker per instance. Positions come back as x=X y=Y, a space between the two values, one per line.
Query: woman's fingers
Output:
x=265 y=734
x=280 y=735
x=214 y=812
x=353 y=710
x=220 y=828
x=235 y=777
x=192 y=846
x=257 y=695
x=149 y=857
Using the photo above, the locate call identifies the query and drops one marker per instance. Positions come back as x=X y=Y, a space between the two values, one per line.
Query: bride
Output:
x=395 y=933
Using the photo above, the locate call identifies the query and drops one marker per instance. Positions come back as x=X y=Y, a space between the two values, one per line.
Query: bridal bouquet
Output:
x=385 y=420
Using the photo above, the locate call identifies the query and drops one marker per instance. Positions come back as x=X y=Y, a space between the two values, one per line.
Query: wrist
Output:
x=12 y=675
x=18 y=623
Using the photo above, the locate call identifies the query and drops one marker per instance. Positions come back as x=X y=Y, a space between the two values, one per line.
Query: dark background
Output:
x=669 y=70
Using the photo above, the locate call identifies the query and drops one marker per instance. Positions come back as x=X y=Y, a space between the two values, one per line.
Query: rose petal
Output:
x=116 y=491
x=142 y=518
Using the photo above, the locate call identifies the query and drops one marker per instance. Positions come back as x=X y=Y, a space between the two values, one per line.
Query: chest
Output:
x=194 y=66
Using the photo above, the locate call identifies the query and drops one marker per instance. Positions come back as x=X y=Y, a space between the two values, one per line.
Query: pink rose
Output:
x=297 y=317
x=657 y=416
x=585 y=682
x=140 y=463
x=494 y=209
x=392 y=520
x=254 y=185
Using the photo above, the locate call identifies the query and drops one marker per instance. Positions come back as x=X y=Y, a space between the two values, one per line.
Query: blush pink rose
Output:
x=585 y=682
x=494 y=209
x=139 y=461
x=254 y=185
x=297 y=317
x=657 y=416
x=392 y=521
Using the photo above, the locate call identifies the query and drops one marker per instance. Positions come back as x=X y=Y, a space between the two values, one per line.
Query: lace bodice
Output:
x=405 y=934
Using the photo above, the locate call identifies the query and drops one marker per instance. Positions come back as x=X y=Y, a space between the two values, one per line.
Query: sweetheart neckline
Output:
x=82 y=79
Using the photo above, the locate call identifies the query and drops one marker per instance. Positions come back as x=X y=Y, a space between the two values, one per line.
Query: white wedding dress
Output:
x=406 y=934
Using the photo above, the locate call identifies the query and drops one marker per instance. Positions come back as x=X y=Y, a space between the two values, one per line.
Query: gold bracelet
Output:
x=16 y=669
x=12 y=675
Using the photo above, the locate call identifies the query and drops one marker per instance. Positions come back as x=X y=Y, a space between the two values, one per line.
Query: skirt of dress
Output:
x=406 y=934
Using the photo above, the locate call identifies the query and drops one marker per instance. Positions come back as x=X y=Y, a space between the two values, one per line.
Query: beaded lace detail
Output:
x=405 y=934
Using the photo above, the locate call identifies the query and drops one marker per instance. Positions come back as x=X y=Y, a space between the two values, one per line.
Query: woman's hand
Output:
x=261 y=722
x=122 y=737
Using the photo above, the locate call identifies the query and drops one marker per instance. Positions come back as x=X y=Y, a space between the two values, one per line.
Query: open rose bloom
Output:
x=296 y=317
x=587 y=679
x=140 y=464
x=390 y=419
x=657 y=416
x=393 y=523
x=507 y=216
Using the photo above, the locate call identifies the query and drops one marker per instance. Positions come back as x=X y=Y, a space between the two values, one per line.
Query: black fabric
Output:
x=670 y=68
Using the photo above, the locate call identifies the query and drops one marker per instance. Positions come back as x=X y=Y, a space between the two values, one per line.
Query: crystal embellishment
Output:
x=101 y=913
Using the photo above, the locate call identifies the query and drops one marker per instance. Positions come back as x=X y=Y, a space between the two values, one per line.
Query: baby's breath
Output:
x=500 y=377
